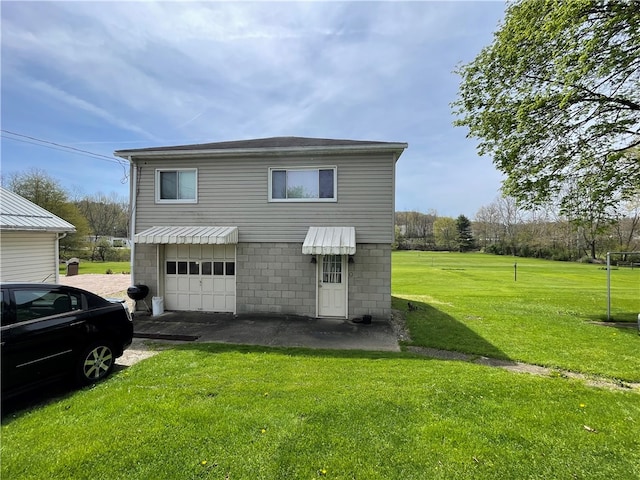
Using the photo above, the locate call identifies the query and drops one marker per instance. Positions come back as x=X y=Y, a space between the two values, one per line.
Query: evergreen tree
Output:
x=466 y=241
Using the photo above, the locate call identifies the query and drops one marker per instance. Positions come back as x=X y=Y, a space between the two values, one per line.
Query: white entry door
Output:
x=332 y=286
x=200 y=278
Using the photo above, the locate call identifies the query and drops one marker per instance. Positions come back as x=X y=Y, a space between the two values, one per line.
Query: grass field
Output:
x=86 y=266
x=233 y=412
x=213 y=411
x=473 y=303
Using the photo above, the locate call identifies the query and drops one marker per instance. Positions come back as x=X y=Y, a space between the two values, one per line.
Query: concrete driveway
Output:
x=246 y=329
x=268 y=330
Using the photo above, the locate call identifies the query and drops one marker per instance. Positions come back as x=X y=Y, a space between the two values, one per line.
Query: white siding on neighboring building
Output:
x=28 y=256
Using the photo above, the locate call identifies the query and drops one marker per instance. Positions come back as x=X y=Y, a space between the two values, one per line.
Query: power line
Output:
x=65 y=148
x=58 y=146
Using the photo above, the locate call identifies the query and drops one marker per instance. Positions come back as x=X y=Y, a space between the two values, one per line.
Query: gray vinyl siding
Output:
x=28 y=256
x=234 y=192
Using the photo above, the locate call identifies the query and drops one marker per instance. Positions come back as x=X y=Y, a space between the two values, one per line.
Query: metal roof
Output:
x=330 y=241
x=18 y=213
x=195 y=235
x=263 y=145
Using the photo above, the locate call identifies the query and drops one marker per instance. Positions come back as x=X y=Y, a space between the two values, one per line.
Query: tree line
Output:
x=97 y=218
x=503 y=228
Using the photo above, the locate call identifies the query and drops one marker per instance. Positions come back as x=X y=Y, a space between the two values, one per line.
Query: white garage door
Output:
x=200 y=277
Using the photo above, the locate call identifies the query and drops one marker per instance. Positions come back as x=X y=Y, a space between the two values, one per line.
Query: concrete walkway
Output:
x=268 y=330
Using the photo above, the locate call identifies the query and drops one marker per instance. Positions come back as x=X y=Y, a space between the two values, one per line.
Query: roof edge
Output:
x=19 y=228
x=161 y=152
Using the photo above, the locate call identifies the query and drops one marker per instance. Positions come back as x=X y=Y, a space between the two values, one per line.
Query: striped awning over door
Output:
x=330 y=241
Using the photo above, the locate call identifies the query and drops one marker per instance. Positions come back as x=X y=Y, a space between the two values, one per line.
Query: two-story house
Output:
x=285 y=225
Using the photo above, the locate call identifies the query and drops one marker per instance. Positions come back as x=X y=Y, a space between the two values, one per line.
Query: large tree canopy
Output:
x=555 y=100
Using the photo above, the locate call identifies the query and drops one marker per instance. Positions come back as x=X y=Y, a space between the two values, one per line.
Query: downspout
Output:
x=133 y=195
x=56 y=260
x=393 y=200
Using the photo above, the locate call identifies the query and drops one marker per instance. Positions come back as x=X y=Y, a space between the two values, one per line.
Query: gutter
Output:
x=233 y=152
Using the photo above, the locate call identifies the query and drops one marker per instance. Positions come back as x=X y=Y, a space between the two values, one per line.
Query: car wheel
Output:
x=95 y=363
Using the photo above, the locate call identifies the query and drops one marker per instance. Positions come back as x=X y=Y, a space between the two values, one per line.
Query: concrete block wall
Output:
x=370 y=281
x=146 y=269
x=278 y=278
x=275 y=278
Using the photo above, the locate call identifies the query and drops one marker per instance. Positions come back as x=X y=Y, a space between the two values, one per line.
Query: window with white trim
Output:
x=303 y=184
x=177 y=185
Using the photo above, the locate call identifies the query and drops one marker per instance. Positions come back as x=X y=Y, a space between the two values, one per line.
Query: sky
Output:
x=103 y=76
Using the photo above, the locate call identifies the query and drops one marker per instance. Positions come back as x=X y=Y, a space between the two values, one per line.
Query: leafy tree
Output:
x=465 y=235
x=38 y=187
x=102 y=250
x=556 y=96
x=398 y=242
x=444 y=231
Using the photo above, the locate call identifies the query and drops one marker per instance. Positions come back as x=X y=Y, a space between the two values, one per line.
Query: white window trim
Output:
x=305 y=200
x=178 y=200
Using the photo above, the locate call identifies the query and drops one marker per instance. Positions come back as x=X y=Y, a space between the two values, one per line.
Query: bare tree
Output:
x=627 y=227
x=107 y=217
x=486 y=226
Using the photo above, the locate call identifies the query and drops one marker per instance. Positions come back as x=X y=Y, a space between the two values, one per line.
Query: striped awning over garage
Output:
x=330 y=241
x=195 y=235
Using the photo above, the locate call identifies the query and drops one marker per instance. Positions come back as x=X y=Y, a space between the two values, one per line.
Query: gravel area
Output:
x=112 y=286
x=108 y=286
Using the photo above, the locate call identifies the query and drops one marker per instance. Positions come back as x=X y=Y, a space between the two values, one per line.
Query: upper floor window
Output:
x=302 y=184
x=177 y=185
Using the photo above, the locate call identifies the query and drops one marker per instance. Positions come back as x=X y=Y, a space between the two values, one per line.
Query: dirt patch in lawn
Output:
x=519 y=367
x=399 y=326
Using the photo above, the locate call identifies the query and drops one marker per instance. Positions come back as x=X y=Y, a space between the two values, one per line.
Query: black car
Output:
x=54 y=331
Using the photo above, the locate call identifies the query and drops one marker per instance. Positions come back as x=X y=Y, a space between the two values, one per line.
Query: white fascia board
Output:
x=234 y=152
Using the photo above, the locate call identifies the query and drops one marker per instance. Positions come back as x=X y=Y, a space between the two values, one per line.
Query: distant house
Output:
x=29 y=240
x=116 y=242
x=276 y=225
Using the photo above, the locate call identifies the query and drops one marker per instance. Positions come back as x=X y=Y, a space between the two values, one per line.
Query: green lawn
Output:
x=207 y=411
x=232 y=412
x=472 y=303
x=87 y=266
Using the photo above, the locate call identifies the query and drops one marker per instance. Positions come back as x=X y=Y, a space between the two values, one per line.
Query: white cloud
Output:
x=78 y=103
x=190 y=71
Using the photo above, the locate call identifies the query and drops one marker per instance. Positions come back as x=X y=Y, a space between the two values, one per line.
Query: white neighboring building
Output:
x=29 y=240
